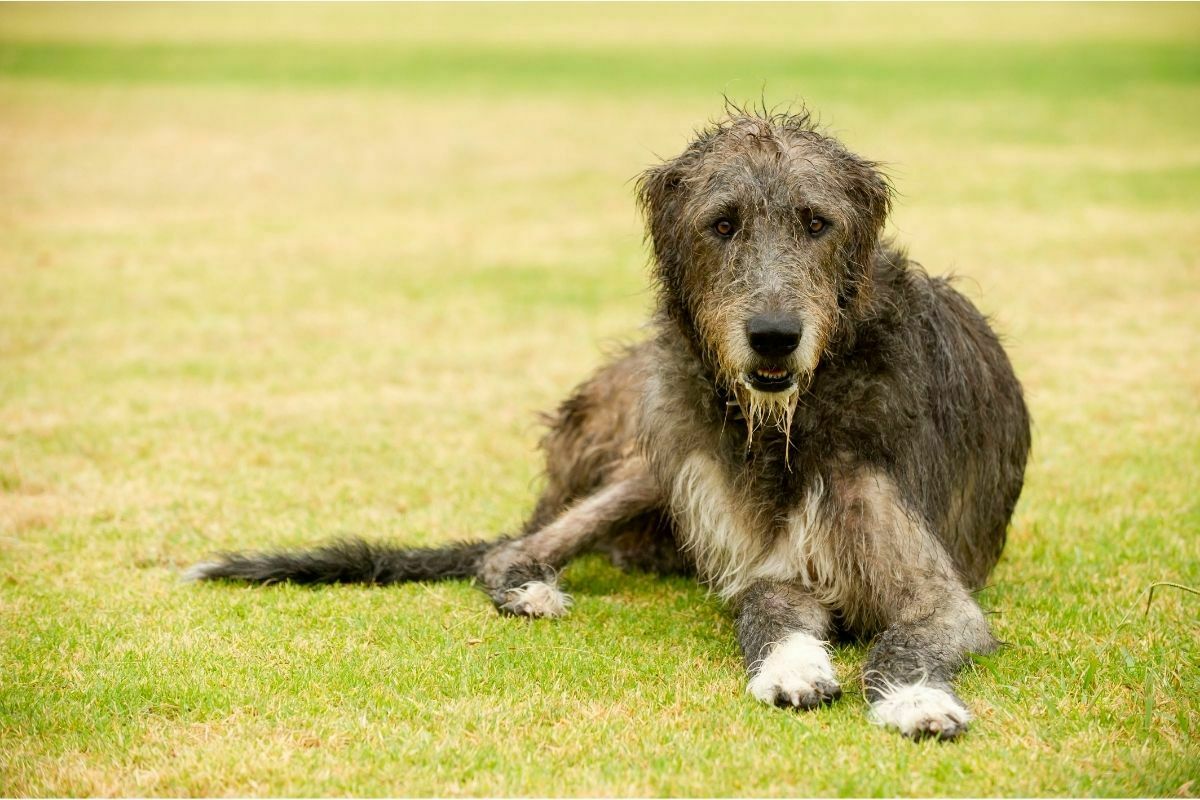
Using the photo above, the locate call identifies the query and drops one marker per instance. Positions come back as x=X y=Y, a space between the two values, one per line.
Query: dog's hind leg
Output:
x=521 y=575
x=781 y=628
x=648 y=543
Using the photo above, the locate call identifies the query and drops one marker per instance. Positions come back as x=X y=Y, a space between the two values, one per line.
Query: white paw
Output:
x=919 y=711
x=536 y=599
x=796 y=673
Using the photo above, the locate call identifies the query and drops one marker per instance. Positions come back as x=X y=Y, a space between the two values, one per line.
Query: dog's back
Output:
x=967 y=462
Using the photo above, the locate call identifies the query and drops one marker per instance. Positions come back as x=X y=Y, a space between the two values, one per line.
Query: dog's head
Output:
x=763 y=232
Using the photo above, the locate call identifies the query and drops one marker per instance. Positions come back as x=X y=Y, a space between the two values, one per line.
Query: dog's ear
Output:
x=660 y=192
x=871 y=194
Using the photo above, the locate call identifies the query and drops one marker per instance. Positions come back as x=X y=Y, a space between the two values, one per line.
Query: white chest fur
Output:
x=734 y=547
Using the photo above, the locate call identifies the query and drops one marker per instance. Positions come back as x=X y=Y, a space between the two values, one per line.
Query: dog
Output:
x=830 y=439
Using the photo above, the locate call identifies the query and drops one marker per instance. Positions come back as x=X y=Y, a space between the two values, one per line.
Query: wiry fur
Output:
x=870 y=496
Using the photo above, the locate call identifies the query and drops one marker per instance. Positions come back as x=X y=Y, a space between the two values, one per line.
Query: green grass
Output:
x=864 y=71
x=270 y=274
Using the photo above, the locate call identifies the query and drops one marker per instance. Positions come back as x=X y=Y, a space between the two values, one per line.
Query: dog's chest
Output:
x=737 y=541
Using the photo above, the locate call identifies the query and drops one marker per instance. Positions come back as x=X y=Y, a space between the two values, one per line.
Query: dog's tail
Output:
x=346 y=561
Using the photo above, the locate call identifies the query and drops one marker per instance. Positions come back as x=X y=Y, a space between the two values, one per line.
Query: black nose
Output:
x=774 y=335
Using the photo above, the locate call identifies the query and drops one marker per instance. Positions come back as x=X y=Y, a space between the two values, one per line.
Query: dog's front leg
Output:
x=521 y=575
x=903 y=579
x=781 y=629
x=910 y=667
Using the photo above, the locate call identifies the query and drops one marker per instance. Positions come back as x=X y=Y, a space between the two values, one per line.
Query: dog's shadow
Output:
x=598 y=587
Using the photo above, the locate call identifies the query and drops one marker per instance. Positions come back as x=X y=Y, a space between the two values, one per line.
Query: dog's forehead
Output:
x=778 y=169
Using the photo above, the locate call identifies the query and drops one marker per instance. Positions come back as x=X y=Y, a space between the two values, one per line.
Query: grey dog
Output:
x=829 y=438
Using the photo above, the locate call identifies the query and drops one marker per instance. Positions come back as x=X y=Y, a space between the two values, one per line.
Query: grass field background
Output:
x=270 y=274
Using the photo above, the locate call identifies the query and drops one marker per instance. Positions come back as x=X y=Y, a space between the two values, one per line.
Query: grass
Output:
x=270 y=274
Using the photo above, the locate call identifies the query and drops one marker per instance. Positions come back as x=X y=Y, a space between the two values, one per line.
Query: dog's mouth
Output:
x=770 y=379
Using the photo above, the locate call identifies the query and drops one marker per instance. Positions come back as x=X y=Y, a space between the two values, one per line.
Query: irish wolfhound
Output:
x=831 y=439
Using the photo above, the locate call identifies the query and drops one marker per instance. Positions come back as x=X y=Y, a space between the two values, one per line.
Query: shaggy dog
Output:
x=831 y=439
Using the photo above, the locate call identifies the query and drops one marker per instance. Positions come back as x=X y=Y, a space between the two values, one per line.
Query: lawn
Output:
x=270 y=274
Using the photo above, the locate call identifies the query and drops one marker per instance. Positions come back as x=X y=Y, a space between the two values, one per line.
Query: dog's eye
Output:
x=724 y=228
x=816 y=226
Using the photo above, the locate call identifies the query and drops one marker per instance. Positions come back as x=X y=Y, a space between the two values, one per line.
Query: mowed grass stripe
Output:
x=956 y=70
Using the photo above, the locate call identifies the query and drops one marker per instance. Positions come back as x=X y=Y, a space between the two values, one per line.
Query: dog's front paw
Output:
x=536 y=599
x=919 y=712
x=796 y=673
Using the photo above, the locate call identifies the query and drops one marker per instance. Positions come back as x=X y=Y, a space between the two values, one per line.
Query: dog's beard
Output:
x=768 y=409
x=762 y=409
